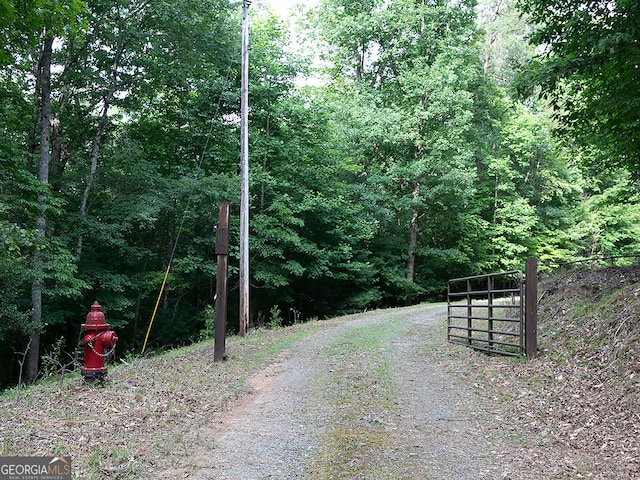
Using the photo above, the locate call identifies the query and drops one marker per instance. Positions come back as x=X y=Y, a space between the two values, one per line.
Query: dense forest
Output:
x=396 y=144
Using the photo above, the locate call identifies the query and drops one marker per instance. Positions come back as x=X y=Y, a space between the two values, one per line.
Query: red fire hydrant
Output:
x=99 y=342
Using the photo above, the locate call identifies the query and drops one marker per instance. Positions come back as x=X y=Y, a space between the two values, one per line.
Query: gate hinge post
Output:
x=531 y=307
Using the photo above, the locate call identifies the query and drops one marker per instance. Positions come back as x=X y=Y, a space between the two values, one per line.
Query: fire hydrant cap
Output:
x=95 y=319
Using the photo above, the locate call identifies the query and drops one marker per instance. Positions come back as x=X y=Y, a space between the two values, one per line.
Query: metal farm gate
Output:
x=496 y=312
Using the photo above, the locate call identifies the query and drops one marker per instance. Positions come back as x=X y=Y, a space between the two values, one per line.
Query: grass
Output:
x=360 y=380
x=143 y=414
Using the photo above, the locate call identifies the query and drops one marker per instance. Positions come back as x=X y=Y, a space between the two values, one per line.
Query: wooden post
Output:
x=531 y=307
x=222 y=253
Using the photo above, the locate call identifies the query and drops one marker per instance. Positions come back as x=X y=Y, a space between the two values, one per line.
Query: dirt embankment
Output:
x=581 y=396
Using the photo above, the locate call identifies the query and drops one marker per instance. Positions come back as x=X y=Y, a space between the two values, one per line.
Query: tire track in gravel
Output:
x=328 y=409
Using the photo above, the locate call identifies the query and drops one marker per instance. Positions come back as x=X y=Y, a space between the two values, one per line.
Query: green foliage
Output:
x=275 y=317
x=408 y=166
x=610 y=218
x=536 y=187
x=589 y=70
x=412 y=122
x=506 y=46
x=23 y=21
x=208 y=318
x=14 y=315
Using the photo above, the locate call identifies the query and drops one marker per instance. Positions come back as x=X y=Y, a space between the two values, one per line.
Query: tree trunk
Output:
x=136 y=318
x=97 y=140
x=33 y=354
x=360 y=62
x=494 y=37
x=265 y=157
x=413 y=238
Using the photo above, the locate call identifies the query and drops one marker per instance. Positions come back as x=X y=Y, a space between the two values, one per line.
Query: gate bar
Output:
x=483 y=292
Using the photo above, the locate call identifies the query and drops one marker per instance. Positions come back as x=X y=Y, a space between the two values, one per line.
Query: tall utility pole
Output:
x=244 y=175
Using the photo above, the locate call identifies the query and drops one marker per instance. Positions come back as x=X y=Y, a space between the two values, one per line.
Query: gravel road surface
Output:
x=368 y=397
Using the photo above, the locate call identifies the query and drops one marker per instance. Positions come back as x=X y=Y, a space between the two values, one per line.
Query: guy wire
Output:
x=186 y=209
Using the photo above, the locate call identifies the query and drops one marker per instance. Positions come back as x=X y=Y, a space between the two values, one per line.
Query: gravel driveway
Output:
x=368 y=397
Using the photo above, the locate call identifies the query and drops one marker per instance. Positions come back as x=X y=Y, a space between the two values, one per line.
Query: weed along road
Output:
x=378 y=395
x=369 y=396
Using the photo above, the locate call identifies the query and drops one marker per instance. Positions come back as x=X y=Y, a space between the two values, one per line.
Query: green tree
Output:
x=536 y=187
x=30 y=29
x=415 y=67
x=168 y=158
x=307 y=228
x=114 y=67
x=609 y=217
x=18 y=191
x=505 y=46
x=589 y=69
